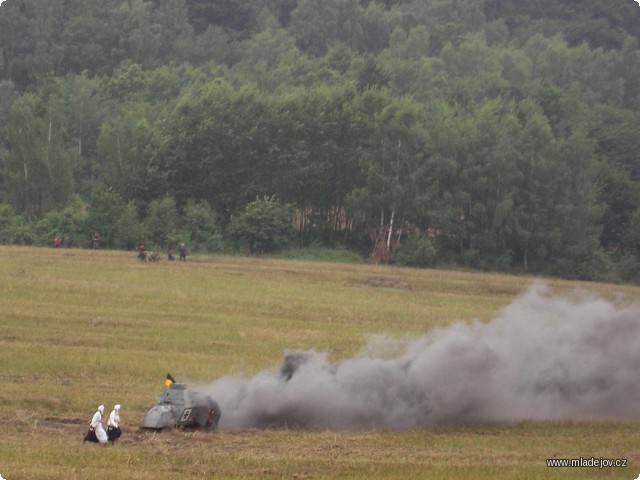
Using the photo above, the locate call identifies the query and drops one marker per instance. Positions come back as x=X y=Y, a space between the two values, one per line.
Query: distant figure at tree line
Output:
x=183 y=252
x=96 y=240
x=170 y=256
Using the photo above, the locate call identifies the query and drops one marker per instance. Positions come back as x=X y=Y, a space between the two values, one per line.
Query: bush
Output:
x=265 y=225
x=416 y=251
x=217 y=244
x=21 y=235
x=105 y=208
x=199 y=223
x=628 y=268
x=8 y=220
x=161 y=221
x=596 y=267
x=129 y=232
x=14 y=230
x=68 y=225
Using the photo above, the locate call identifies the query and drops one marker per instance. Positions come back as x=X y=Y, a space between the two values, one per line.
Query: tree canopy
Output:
x=492 y=134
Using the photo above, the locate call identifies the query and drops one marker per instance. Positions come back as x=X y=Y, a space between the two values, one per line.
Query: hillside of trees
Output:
x=492 y=134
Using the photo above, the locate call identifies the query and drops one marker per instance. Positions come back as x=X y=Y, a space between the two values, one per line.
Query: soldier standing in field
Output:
x=183 y=252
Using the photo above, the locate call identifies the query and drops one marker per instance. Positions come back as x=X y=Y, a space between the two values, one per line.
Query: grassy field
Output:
x=79 y=328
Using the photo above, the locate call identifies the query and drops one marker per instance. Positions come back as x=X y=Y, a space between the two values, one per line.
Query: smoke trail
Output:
x=543 y=357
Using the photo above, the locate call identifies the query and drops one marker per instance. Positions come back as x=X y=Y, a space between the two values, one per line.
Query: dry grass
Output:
x=80 y=327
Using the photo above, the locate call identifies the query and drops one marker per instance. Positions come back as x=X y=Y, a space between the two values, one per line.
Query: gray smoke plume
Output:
x=544 y=357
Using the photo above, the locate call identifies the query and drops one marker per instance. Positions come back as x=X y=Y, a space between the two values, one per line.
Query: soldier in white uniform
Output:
x=96 y=433
x=113 y=425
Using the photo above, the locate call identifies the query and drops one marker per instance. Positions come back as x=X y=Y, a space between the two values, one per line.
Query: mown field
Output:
x=79 y=328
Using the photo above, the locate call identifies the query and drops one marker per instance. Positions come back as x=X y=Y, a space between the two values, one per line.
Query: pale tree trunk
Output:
x=393 y=214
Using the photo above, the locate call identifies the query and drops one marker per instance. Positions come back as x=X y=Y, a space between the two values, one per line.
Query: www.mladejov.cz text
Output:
x=587 y=462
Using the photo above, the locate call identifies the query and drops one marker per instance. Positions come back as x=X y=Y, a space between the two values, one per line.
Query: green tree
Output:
x=265 y=225
x=620 y=197
x=31 y=40
x=162 y=221
x=395 y=172
x=262 y=54
x=417 y=43
x=576 y=212
x=616 y=133
x=16 y=43
x=632 y=234
x=135 y=37
x=106 y=207
x=236 y=15
x=199 y=222
x=126 y=150
x=176 y=33
x=215 y=44
x=128 y=82
x=317 y=171
x=534 y=191
x=416 y=251
x=13 y=228
x=211 y=146
x=57 y=157
x=84 y=117
x=371 y=74
x=68 y=224
x=487 y=176
x=374 y=28
x=473 y=71
x=163 y=85
x=129 y=231
x=317 y=26
x=25 y=169
x=86 y=41
x=8 y=95
x=629 y=69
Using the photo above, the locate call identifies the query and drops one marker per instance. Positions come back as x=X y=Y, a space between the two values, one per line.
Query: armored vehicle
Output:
x=180 y=407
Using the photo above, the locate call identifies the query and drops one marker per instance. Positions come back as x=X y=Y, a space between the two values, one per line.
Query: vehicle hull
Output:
x=177 y=406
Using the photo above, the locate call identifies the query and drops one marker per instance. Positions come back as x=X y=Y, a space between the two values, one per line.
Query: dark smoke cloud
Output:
x=544 y=357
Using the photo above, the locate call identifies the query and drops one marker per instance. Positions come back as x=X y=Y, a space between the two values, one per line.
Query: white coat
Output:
x=96 y=423
x=114 y=417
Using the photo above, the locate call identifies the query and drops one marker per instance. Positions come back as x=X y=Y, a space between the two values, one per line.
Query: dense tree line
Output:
x=496 y=134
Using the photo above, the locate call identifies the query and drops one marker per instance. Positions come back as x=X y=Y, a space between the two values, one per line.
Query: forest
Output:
x=499 y=135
